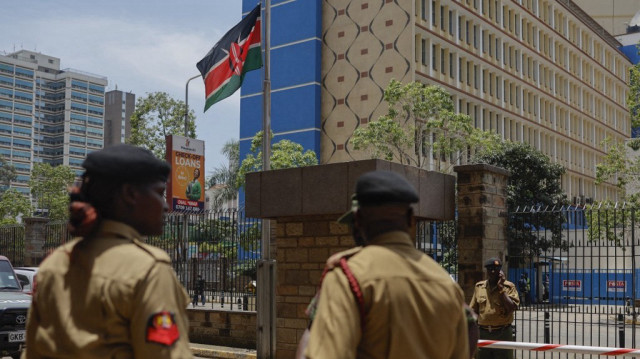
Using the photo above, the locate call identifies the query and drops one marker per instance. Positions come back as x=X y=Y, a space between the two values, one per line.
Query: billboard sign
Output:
x=616 y=286
x=185 y=190
x=572 y=285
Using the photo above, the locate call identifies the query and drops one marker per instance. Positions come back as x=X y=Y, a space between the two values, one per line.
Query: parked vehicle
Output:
x=14 y=305
x=26 y=277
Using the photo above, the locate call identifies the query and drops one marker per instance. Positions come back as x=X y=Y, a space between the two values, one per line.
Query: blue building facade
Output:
x=296 y=30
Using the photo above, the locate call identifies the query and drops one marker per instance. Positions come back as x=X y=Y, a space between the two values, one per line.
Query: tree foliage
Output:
x=633 y=96
x=156 y=116
x=284 y=154
x=50 y=188
x=7 y=173
x=534 y=183
x=621 y=165
x=420 y=121
x=13 y=204
x=226 y=176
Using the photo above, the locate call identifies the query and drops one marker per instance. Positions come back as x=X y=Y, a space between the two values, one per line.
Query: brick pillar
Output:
x=302 y=248
x=34 y=236
x=482 y=223
x=305 y=204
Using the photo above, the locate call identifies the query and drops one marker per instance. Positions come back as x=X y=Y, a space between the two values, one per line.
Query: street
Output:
x=573 y=325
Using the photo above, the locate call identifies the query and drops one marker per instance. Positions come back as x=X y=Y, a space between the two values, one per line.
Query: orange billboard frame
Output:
x=186 y=187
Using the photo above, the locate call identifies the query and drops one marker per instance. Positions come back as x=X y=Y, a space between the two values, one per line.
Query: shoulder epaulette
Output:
x=334 y=259
x=155 y=252
x=340 y=260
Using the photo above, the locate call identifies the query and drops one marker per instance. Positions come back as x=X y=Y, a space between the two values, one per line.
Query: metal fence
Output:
x=12 y=243
x=439 y=240
x=222 y=247
x=55 y=234
x=583 y=278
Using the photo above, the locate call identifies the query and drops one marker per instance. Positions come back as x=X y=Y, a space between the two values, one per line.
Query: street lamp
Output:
x=186 y=104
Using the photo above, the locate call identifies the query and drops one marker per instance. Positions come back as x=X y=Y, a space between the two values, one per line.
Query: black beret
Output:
x=383 y=187
x=493 y=262
x=126 y=163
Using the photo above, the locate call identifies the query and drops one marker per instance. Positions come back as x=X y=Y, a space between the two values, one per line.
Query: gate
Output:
x=583 y=281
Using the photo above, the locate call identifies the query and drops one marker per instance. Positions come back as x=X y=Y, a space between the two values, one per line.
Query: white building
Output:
x=47 y=114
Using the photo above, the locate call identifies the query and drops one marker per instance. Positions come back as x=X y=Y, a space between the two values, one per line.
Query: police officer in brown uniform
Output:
x=495 y=300
x=106 y=294
x=412 y=308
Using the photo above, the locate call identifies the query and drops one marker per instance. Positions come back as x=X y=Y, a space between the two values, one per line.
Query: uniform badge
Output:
x=162 y=329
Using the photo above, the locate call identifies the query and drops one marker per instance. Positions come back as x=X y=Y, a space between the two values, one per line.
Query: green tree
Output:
x=50 y=188
x=633 y=96
x=156 y=116
x=284 y=154
x=13 y=204
x=420 y=120
x=534 y=182
x=7 y=173
x=226 y=175
x=620 y=166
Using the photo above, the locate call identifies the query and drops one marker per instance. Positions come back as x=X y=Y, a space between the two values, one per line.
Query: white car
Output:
x=27 y=277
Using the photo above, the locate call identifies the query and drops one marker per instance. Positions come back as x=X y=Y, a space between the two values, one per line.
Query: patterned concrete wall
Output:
x=365 y=44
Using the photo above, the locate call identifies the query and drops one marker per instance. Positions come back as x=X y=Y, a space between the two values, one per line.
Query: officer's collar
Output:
x=392 y=237
x=118 y=229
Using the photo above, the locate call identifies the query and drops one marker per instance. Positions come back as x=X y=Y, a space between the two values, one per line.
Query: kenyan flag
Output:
x=234 y=55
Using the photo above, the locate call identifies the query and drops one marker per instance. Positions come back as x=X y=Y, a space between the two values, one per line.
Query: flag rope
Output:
x=540 y=347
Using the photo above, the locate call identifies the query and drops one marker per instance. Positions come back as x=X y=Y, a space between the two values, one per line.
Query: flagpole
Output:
x=266 y=306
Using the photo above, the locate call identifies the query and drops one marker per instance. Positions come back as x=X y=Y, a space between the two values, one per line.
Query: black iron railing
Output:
x=581 y=264
x=223 y=248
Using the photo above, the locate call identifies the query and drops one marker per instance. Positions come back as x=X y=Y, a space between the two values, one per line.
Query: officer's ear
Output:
x=130 y=194
x=410 y=217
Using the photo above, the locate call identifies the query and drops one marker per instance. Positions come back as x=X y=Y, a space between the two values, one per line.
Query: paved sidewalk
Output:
x=220 y=352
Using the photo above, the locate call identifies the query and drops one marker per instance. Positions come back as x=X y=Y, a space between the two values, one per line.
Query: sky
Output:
x=141 y=46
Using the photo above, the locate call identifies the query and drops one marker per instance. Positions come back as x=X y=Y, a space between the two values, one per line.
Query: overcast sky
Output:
x=141 y=46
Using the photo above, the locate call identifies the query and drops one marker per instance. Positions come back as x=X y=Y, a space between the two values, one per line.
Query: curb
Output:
x=223 y=353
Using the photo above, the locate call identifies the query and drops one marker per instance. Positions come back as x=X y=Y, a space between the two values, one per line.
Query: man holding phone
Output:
x=495 y=300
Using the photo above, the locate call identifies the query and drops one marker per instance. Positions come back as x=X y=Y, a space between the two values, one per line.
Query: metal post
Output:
x=621 y=329
x=633 y=278
x=547 y=329
x=266 y=306
x=186 y=105
x=185 y=250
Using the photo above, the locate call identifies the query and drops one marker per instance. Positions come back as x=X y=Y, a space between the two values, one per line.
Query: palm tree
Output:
x=224 y=176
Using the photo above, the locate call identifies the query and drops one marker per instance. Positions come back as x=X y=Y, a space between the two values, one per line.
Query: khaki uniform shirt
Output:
x=413 y=308
x=109 y=296
x=488 y=304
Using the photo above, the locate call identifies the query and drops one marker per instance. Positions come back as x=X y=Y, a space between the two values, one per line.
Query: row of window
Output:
x=504 y=49
x=524 y=18
x=509 y=93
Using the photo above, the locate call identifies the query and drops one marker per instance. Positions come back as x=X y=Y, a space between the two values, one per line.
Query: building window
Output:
x=433 y=57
